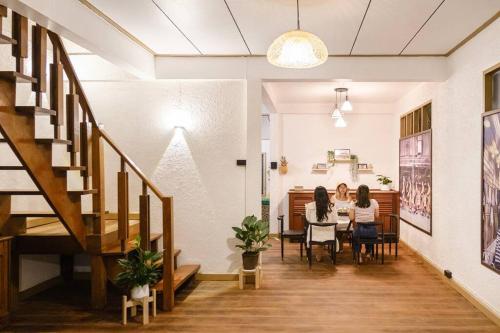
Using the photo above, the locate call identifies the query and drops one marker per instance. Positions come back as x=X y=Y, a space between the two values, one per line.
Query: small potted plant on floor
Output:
x=254 y=235
x=140 y=269
x=384 y=182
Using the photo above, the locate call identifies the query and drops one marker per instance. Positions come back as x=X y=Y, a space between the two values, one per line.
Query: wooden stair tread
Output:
x=17 y=77
x=32 y=110
x=51 y=141
x=57 y=229
x=69 y=168
x=117 y=250
x=44 y=214
x=7 y=40
x=181 y=275
x=12 y=167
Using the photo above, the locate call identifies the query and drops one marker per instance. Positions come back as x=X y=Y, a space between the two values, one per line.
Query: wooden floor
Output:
x=400 y=296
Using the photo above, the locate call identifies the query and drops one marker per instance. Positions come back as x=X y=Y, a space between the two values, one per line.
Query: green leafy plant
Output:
x=139 y=267
x=383 y=180
x=253 y=234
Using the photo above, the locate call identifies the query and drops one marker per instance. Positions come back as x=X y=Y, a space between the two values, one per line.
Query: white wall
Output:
x=306 y=138
x=457 y=105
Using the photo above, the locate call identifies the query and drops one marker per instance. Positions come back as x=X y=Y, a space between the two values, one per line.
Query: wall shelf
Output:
x=319 y=170
x=365 y=170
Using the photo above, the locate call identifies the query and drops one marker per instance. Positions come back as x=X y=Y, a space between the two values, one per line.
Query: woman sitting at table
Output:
x=321 y=210
x=343 y=203
x=364 y=213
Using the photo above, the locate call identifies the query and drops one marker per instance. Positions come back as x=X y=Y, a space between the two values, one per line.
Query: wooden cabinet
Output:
x=5 y=247
x=388 y=202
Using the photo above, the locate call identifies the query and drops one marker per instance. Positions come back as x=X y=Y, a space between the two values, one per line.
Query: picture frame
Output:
x=362 y=166
x=321 y=166
x=342 y=154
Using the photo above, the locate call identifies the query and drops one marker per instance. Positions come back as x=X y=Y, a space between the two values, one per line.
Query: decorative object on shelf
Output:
x=384 y=182
x=330 y=157
x=415 y=181
x=134 y=303
x=354 y=167
x=321 y=166
x=342 y=154
x=283 y=165
x=362 y=166
x=297 y=49
x=140 y=269
x=298 y=187
x=254 y=234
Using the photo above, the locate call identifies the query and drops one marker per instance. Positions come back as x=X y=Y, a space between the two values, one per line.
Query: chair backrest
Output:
x=280 y=220
x=394 y=223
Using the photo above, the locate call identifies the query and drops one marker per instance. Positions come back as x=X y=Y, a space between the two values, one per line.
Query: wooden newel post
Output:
x=39 y=62
x=144 y=216
x=168 y=253
x=123 y=231
x=56 y=91
x=98 y=199
x=20 y=34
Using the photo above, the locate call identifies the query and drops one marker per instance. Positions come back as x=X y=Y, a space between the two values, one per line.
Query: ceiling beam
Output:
x=74 y=21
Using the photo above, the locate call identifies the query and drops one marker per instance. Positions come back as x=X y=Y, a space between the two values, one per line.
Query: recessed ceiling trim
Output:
x=237 y=27
x=176 y=27
x=359 y=29
x=115 y=25
x=330 y=56
x=416 y=33
x=474 y=33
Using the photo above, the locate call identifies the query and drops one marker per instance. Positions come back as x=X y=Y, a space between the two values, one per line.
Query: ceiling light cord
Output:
x=298 y=16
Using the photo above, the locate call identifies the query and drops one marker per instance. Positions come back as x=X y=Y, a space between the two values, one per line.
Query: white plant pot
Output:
x=140 y=292
x=385 y=187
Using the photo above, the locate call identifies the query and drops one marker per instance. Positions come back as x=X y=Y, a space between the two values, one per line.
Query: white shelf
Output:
x=365 y=170
x=320 y=170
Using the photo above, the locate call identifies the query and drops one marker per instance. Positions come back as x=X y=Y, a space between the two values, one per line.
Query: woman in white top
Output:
x=364 y=213
x=321 y=210
x=343 y=203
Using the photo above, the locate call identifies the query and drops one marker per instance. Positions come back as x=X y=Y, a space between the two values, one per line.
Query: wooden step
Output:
x=47 y=141
x=37 y=192
x=7 y=40
x=181 y=275
x=117 y=250
x=44 y=214
x=35 y=110
x=69 y=168
x=16 y=77
x=12 y=167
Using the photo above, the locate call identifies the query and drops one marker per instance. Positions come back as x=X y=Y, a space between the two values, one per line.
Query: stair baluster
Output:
x=39 y=62
x=73 y=123
x=56 y=91
x=20 y=34
x=144 y=216
x=123 y=227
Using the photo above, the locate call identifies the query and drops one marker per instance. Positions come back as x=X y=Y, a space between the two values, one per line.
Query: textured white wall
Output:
x=196 y=165
x=306 y=139
x=457 y=105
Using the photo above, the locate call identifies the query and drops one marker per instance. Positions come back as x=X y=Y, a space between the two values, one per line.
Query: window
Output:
x=416 y=121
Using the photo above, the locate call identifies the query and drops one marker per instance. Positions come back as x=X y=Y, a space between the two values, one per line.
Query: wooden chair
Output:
x=392 y=236
x=344 y=235
x=332 y=244
x=296 y=235
x=375 y=241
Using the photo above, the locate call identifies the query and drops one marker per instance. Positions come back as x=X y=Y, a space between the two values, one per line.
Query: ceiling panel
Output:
x=390 y=24
x=453 y=22
x=323 y=92
x=261 y=21
x=207 y=23
x=336 y=22
x=143 y=20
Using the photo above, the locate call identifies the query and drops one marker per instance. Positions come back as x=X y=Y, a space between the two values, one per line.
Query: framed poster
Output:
x=490 y=191
x=415 y=180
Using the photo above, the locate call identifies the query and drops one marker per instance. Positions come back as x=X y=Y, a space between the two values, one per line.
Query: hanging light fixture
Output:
x=336 y=113
x=297 y=49
x=346 y=105
x=340 y=122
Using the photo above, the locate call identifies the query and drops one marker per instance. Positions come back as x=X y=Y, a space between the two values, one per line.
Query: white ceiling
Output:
x=323 y=92
x=210 y=27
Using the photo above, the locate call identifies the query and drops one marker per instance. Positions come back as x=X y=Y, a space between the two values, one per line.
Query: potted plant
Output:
x=254 y=235
x=384 y=182
x=140 y=269
x=283 y=165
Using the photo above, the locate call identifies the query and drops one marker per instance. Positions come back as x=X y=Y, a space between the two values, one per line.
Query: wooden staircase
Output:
x=66 y=230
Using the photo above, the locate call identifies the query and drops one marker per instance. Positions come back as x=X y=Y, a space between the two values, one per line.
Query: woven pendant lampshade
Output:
x=297 y=49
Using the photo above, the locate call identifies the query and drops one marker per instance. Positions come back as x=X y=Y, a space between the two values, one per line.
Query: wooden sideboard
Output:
x=388 y=202
x=5 y=247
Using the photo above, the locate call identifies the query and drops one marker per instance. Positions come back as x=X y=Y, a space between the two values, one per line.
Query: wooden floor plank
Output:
x=400 y=296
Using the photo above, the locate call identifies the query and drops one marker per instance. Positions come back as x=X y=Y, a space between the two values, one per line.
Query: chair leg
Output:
x=383 y=251
x=282 y=247
x=376 y=251
x=334 y=253
x=396 y=249
x=301 y=246
x=390 y=246
x=309 y=256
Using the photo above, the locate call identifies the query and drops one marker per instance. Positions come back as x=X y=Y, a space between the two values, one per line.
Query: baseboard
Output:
x=216 y=277
x=40 y=287
x=485 y=309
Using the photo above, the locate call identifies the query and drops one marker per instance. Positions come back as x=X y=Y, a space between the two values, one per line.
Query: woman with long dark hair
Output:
x=364 y=213
x=321 y=210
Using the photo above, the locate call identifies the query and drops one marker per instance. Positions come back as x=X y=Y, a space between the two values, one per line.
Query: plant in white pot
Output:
x=140 y=269
x=385 y=182
x=254 y=234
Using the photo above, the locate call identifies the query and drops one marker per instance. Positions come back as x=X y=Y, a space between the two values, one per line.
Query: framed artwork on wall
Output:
x=415 y=180
x=490 y=171
x=342 y=154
